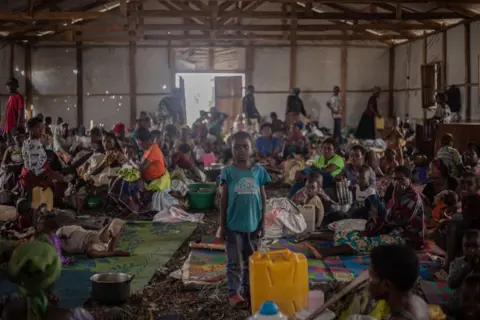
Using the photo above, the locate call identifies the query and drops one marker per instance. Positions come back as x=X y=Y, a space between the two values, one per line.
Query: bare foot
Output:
x=122 y=253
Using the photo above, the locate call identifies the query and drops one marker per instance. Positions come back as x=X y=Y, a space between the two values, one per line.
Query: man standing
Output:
x=250 y=110
x=294 y=108
x=336 y=108
x=15 y=111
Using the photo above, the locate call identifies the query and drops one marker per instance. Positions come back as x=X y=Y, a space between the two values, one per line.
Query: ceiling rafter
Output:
x=407 y=34
x=222 y=19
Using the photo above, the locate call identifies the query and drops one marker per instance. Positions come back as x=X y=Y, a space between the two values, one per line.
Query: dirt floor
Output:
x=165 y=296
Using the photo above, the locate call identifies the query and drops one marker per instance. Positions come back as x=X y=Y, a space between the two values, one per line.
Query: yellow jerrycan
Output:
x=40 y=195
x=280 y=276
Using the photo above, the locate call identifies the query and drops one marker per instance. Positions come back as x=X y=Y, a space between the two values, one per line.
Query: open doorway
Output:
x=205 y=90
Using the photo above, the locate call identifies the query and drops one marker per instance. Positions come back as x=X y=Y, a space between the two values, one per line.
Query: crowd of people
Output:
x=134 y=165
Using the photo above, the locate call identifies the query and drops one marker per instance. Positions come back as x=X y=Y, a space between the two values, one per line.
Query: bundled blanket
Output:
x=283 y=219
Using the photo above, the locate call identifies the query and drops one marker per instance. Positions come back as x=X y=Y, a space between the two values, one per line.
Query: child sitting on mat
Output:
x=462 y=267
x=309 y=196
x=368 y=203
x=76 y=240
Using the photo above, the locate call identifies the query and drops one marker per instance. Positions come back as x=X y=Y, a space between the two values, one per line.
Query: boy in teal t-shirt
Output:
x=242 y=213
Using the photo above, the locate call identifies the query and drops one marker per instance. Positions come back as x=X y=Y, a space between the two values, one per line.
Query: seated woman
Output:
x=65 y=144
x=181 y=160
x=199 y=127
x=388 y=163
x=100 y=168
x=37 y=171
x=185 y=139
x=440 y=179
x=372 y=159
x=470 y=158
x=12 y=163
x=153 y=173
x=403 y=223
x=351 y=169
x=295 y=142
x=329 y=163
x=450 y=155
x=267 y=147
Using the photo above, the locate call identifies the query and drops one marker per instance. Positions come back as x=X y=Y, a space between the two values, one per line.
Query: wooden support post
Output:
x=79 y=67
x=468 y=72
x=398 y=12
x=213 y=6
x=249 y=61
x=424 y=61
x=343 y=78
x=391 y=83
x=28 y=80
x=444 y=60
x=171 y=65
x=293 y=46
x=132 y=64
x=12 y=60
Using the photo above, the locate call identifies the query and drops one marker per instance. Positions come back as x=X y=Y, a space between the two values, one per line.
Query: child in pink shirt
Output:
x=208 y=158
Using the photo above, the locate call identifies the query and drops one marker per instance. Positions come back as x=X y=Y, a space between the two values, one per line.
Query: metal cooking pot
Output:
x=111 y=288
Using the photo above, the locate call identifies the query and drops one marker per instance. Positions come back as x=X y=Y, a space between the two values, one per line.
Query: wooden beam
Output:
x=353 y=11
x=399 y=10
x=30 y=7
x=79 y=67
x=391 y=82
x=132 y=64
x=424 y=59
x=344 y=78
x=12 y=60
x=301 y=15
x=285 y=27
x=46 y=15
x=444 y=60
x=371 y=1
x=293 y=47
x=468 y=72
x=270 y=37
x=218 y=37
x=229 y=15
x=249 y=63
x=28 y=81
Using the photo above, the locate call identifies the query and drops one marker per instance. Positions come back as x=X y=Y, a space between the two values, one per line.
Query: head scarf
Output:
x=119 y=128
x=35 y=266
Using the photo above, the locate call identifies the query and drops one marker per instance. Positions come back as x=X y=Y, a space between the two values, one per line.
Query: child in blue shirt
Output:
x=242 y=209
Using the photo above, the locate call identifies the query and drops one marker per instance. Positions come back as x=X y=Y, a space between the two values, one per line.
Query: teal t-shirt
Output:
x=244 y=210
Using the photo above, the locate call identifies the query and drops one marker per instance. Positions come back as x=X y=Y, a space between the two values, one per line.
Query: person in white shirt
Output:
x=65 y=144
x=442 y=113
x=336 y=108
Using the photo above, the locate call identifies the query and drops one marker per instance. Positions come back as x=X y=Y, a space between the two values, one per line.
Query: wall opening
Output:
x=199 y=91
